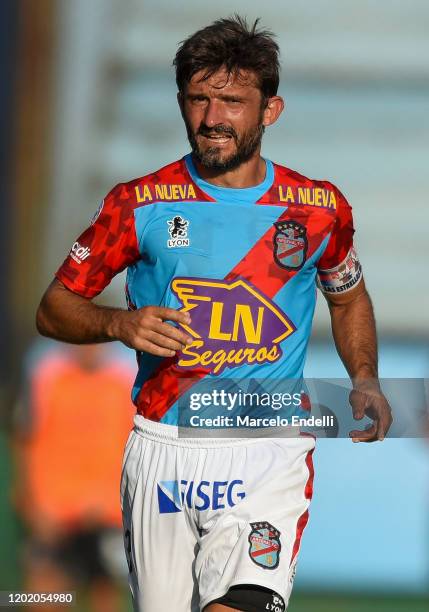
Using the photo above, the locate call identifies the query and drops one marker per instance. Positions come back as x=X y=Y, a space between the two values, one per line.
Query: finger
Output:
x=358 y=401
x=154 y=349
x=366 y=435
x=379 y=411
x=384 y=423
x=380 y=432
x=163 y=341
x=170 y=314
x=166 y=329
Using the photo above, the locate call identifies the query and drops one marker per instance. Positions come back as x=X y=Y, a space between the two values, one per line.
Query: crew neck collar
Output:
x=231 y=194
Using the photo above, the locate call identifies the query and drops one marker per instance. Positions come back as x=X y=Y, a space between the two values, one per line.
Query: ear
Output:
x=273 y=110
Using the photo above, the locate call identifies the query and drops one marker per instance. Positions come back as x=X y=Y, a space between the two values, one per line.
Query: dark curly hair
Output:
x=233 y=45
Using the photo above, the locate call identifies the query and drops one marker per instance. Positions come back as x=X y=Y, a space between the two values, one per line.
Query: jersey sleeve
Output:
x=104 y=249
x=339 y=269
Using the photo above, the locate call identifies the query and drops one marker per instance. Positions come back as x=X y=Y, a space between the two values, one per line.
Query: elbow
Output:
x=49 y=315
x=44 y=318
x=42 y=321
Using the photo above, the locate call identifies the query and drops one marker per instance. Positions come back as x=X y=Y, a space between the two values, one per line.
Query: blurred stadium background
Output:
x=88 y=100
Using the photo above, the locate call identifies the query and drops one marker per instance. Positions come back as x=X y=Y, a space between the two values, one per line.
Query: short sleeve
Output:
x=339 y=269
x=104 y=249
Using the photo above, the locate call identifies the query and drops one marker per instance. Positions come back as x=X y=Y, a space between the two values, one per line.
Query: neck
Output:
x=248 y=174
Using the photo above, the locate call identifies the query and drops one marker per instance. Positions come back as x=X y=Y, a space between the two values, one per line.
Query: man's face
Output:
x=224 y=118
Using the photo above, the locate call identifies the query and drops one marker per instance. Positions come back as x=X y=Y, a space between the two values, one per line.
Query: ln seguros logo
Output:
x=233 y=323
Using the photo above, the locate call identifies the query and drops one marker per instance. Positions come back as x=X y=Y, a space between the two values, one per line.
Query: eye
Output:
x=198 y=99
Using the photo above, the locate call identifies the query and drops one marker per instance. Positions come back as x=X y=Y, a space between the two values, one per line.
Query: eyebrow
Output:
x=225 y=97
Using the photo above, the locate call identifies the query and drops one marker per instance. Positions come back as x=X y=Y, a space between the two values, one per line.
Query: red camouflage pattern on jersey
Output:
x=114 y=246
x=112 y=238
x=168 y=382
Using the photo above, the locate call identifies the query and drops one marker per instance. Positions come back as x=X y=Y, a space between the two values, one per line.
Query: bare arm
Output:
x=64 y=315
x=353 y=328
x=354 y=331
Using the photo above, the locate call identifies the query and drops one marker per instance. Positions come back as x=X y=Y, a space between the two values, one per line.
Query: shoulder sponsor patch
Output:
x=165 y=193
x=343 y=277
x=319 y=197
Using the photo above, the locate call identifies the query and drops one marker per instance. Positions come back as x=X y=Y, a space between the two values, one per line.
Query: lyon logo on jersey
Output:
x=232 y=324
x=178 y=230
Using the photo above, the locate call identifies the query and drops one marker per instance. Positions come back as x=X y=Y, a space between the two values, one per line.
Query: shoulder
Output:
x=168 y=184
x=174 y=172
x=294 y=188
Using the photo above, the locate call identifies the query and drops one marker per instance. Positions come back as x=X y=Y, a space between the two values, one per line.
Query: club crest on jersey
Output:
x=265 y=545
x=178 y=230
x=290 y=244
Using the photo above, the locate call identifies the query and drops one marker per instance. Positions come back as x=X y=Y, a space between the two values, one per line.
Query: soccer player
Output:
x=68 y=476
x=223 y=249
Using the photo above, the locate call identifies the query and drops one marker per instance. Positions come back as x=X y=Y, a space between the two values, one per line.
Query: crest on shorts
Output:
x=265 y=545
x=290 y=244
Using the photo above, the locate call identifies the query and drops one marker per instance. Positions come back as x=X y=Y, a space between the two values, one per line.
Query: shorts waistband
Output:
x=173 y=434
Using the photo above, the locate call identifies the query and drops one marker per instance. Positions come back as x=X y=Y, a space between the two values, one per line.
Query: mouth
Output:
x=218 y=139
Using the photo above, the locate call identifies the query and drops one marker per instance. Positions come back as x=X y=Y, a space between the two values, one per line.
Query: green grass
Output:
x=9 y=531
x=323 y=602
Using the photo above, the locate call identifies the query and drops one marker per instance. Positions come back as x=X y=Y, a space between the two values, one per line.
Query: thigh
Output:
x=159 y=541
x=256 y=542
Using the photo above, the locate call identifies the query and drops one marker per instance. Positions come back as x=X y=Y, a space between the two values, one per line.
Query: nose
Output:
x=213 y=115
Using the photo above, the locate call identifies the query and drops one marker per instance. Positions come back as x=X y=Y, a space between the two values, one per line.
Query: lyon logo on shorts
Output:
x=265 y=545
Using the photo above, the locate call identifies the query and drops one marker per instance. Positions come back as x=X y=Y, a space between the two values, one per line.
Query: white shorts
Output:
x=203 y=515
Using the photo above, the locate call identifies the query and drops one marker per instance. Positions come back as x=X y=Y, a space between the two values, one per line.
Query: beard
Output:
x=213 y=158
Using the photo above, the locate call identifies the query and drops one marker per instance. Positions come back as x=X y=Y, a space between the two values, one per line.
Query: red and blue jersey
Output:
x=243 y=262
